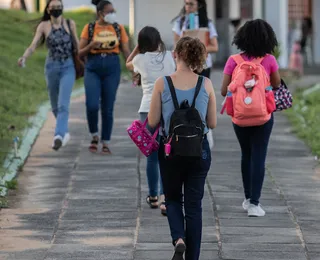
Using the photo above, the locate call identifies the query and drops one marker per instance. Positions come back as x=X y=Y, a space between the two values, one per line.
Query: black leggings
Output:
x=254 y=145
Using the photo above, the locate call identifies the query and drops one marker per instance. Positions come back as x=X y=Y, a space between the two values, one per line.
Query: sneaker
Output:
x=179 y=250
x=57 y=143
x=246 y=204
x=255 y=211
x=66 y=139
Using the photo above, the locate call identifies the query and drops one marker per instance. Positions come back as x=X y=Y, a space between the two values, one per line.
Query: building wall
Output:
x=5 y=4
x=316 y=30
x=159 y=14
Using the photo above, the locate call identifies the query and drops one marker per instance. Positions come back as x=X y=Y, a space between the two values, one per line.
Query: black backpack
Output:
x=116 y=27
x=186 y=126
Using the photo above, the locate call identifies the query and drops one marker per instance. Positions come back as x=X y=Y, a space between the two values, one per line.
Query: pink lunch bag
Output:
x=142 y=137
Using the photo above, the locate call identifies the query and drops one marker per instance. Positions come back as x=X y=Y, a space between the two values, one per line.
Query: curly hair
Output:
x=192 y=52
x=256 y=38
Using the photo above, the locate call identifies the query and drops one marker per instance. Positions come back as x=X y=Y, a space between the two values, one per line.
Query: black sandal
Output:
x=94 y=146
x=153 y=203
x=105 y=150
x=163 y=211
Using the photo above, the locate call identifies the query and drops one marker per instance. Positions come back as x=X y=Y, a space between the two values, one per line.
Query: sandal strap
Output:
x=150 y=200
x=95 y=142
x=106 y=149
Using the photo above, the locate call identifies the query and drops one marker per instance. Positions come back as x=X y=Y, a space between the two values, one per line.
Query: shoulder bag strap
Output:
x=196 y=93
x=173 y=92
x=71 y=35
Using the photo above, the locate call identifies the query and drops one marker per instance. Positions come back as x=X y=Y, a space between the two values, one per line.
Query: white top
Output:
x=212 y=31
x=151 y=66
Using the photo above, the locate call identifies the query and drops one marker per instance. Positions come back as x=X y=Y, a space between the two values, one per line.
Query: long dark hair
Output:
x=202 y=11
x=45 y=17
x=149 y=40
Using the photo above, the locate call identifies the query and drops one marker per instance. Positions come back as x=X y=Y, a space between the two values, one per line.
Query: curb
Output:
x=12 y=164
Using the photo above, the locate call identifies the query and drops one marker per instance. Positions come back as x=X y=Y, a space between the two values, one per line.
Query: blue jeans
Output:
x=153 y=175
x=191 y=175
x=254 y=145
x=101 y=81
x=60 y=78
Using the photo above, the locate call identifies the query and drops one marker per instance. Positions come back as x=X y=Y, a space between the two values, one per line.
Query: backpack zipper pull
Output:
x=177 y=138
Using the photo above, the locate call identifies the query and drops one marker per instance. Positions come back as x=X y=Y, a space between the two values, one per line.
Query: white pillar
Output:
x=131 y=17
x=234 y=9
x=211 y=10
x=257 y=9
x=276 y=13
x=316 y=31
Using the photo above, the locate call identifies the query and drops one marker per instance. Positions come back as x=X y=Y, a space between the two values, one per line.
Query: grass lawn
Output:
x=305 y=117
x=22 y=90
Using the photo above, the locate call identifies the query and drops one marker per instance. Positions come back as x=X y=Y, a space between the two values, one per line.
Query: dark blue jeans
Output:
x=101 y=80
x=191 y=175
x=254 y=145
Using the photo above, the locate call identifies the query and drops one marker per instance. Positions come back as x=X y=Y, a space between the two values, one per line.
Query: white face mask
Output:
x=110 y=18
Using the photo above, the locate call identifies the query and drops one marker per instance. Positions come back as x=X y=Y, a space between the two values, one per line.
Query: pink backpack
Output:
x=250 y=99
x=141 y=136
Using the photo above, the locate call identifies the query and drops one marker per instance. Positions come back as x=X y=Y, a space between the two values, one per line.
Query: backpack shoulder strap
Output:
x=91 y=30
x=117 y=28
x=196 y=93
x=237 y=58
x=173 y=92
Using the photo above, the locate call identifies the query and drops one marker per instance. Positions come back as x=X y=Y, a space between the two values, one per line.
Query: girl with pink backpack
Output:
x=249 y=78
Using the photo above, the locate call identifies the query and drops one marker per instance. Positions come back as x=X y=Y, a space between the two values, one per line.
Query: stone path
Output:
x=75 y=205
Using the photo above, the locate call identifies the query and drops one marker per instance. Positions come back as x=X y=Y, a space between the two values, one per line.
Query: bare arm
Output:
x=125 y=50
x=176 y=38
x=212 y=105
x=85 y=47
x=225 y=83
x=34 y=44
x=154 y=114
x=275 y=79
x=130 y=58
x=213 y=45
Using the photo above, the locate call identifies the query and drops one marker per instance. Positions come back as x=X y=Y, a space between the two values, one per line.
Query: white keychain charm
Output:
x=248 y=100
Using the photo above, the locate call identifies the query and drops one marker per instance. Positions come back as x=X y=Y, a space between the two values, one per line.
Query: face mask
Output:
x=56 y=13
x=110 y=18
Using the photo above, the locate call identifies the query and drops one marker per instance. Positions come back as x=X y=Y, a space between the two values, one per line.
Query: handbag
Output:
x=136 y=79
x=283 y=97
x=141 y=136
x=78 y=63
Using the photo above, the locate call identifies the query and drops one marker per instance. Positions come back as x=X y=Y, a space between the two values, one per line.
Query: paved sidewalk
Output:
x=74 y=205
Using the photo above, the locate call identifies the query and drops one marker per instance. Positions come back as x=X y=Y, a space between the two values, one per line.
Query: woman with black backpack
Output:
x=185 y=104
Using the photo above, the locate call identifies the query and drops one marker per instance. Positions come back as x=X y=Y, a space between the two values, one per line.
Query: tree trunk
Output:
x=23 y=5
x=18 y=4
